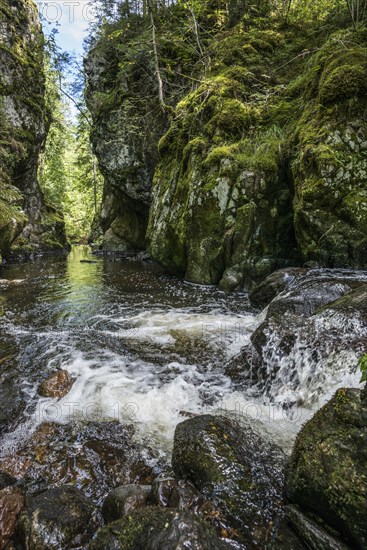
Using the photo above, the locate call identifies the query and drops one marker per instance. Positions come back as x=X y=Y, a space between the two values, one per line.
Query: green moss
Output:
x=261 y=45
x=217 y=154
x=344 y=83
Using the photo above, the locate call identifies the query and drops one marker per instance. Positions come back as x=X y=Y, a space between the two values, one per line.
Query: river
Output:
x=142 y=346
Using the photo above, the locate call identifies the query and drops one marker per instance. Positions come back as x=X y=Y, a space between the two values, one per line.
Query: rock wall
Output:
x=128 y=123
x=27 y=224
x=264 y=161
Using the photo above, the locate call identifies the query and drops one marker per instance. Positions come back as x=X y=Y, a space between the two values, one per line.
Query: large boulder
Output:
x=327 y=471
x=60 y=518
x=352 y=303
x=126 y=155
x=210 y=216
x=236 y=469
x=330 y=156
x=157 y=529
x=274 y=284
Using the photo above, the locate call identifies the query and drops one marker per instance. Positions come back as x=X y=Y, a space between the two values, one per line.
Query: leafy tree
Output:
x=68 y=172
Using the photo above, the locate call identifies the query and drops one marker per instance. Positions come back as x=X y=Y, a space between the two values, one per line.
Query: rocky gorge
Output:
x=139 y=410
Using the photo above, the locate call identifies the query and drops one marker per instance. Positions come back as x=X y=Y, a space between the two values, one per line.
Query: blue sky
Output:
x=71 y=17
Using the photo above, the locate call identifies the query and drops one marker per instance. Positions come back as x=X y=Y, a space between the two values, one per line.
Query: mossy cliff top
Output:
x=263 y=163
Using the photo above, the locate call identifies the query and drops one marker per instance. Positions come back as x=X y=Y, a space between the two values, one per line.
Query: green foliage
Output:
x=344 y=83
x=363 y=367
x=68 y=173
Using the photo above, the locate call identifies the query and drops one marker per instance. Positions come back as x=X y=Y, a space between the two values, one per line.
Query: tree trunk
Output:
x=156 y=58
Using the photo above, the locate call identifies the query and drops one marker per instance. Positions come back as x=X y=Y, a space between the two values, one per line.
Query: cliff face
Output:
x=263 y=163
x=127 y=126
x=261 y=168
x=27 y=224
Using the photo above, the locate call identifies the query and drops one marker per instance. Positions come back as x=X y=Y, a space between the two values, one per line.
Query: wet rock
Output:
x=124 y=500
x=319 y=323
x=192 y=500
x=12 y=404
x=58 y=385
x=231 y=280
x=95 y=457
x=286 y=539
x=353 y=303
x=11 y=504
x=313 y=534
x=165 y=491
x=6 y=480
x=315 y=289
x=245 y=367
x=59 y=518
x=273 y=285
x=326 y=475
x=157 y=529
x=234 y=468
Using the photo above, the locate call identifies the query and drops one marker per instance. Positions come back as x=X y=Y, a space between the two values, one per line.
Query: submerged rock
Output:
x=235 y=469
x=95 y=457
x=60 y=518
x=11 y=504
x=6 y=480
x=58 y=385
x=124 y=500
x=327 y=471
x=245 y=368
x=12 y=404
x=157 y=529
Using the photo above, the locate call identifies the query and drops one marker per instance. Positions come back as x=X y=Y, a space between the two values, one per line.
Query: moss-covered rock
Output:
x=327 y=472
x=23 y=127
x=157 y=529
x=59 y=518
x=234 y=468
x=330 y=165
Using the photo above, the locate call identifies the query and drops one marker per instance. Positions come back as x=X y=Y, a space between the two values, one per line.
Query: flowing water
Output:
x=142 y=346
